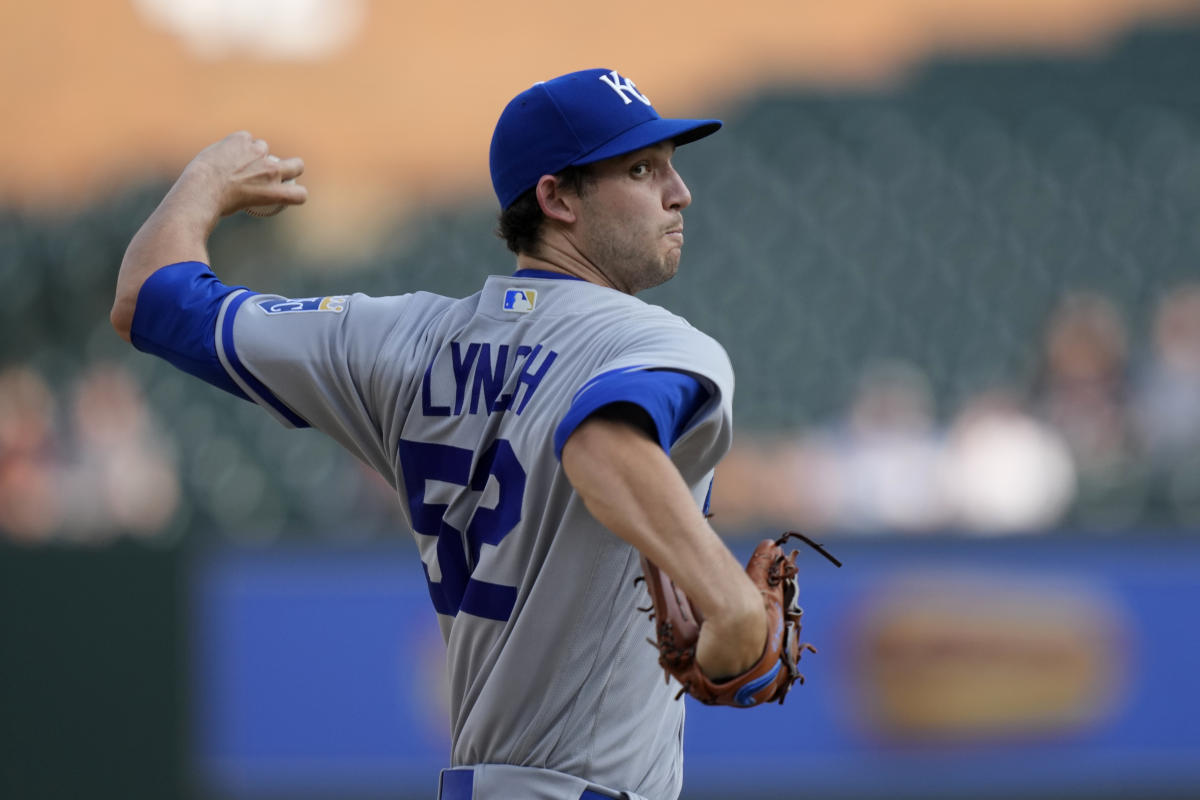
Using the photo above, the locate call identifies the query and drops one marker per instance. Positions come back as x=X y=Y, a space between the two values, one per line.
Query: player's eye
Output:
x=640 y=169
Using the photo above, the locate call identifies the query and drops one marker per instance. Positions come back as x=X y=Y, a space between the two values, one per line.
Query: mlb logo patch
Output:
x=520 y=301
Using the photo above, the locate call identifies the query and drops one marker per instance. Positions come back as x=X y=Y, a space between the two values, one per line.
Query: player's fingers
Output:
x=282 y=172
x=293 y=194
x=290 y=168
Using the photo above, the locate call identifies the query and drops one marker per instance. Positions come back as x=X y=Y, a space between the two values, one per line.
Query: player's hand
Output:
x=240 y=172
x=236 y=172
x=732 y=642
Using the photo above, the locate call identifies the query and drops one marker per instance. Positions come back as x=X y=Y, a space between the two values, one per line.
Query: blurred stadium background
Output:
x=952 y=248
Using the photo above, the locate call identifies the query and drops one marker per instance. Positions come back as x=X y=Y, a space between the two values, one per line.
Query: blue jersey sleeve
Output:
x=671 y=398
x=176 y=317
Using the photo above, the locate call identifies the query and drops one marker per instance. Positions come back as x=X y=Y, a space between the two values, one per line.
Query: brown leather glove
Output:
x=678 y=629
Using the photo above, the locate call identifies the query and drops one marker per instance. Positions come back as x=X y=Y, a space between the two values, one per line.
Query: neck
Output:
x=555 y=255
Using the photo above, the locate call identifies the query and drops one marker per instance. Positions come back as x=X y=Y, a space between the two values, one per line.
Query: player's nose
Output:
x=677 y=196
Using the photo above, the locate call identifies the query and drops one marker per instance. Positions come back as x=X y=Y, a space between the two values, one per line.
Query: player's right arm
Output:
x=629 y=484
x=308 y=362
x=232 y=174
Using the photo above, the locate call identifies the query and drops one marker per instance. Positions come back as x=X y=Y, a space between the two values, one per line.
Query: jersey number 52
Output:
x=457 y=590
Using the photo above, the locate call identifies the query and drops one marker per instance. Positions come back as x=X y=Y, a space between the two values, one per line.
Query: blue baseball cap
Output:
x=576 y=119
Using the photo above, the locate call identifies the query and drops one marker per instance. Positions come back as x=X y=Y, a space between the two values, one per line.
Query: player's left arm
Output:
x=229 y=175
x=629 y=484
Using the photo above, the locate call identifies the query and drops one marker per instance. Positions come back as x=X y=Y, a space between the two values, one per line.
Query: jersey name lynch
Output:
x=479 y=377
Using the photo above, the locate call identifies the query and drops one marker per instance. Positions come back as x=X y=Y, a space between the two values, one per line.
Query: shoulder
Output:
x=653 y=327
x=641 y=335
x=640 y=318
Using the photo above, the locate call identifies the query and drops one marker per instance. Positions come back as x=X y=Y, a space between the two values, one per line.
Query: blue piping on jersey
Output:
x=236 y=363
x=744 y=696
x=671 y=398
x=175 y=318
x=545 y=273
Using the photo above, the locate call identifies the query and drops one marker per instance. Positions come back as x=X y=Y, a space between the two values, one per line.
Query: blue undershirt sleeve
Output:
x=671 y=399
x=176 y=318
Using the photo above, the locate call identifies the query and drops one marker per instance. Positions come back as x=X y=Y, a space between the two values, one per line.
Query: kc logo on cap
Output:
x=622 y=85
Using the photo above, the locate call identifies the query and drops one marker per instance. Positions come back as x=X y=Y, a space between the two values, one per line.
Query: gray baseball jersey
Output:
x=456 y=403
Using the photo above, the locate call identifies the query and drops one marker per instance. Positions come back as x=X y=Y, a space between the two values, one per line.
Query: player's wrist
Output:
x=197 y=200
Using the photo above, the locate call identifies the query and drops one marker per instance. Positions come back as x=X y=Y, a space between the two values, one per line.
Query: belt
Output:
x=459 y=783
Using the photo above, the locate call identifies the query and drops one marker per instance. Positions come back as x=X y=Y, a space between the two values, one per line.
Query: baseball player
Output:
x=543 y=435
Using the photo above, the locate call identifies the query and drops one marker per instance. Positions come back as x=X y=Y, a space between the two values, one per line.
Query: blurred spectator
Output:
x=28 y=454
x=121 y=476
x=1006 y=472
x=1083 y=392
x=1167 y=404
x=880 y=470
x=107 y=473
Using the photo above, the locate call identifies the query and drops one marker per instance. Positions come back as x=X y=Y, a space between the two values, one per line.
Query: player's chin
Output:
x=670 y=263
x=655 y=273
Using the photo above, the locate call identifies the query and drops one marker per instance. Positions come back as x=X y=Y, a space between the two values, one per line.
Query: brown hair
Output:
x=521 y=223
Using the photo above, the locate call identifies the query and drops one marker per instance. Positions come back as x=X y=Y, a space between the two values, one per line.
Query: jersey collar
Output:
x=544 y=273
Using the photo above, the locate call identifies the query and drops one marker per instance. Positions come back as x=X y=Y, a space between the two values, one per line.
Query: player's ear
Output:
x=556 y=201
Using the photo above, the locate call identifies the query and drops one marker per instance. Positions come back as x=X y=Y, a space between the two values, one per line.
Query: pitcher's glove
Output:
x=678 y=628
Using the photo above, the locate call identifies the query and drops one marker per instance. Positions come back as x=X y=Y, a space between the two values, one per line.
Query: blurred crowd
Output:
x=1099 y=438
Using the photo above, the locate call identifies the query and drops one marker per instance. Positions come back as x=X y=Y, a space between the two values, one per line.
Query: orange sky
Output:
x=93 y=94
